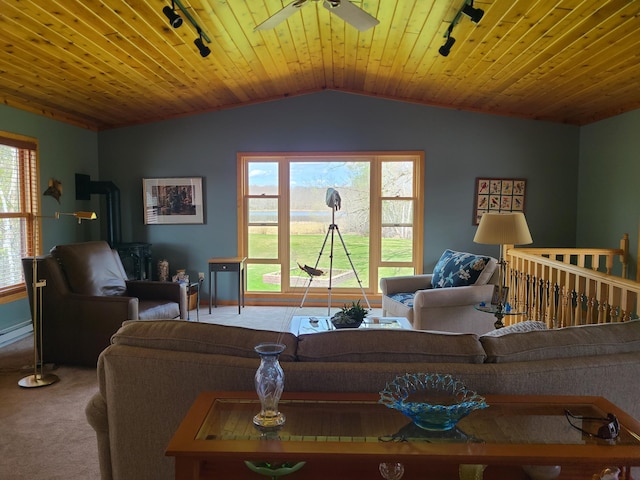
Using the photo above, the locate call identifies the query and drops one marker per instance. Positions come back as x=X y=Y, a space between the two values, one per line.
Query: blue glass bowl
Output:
x=432 y=401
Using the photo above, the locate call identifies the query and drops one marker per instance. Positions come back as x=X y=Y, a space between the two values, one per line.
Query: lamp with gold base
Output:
x=39 y=378
x=502 y=229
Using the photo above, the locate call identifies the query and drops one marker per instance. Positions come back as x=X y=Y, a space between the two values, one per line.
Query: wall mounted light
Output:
x=79 y=215
x=175 y=20
x=475 y=14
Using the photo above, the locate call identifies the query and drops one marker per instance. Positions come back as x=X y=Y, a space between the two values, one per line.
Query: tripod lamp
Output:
x=39 y=378
x=502 y=229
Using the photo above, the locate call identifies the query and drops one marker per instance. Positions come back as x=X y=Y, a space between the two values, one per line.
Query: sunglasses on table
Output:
x=609 y=430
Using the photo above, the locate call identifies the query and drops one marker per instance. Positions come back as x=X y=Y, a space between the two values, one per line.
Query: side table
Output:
x=230 y=264
x=193 y=288
x=499 y=311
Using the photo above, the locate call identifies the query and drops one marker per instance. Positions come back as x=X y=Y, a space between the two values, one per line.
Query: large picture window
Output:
x=18 y=209
x=286 y=222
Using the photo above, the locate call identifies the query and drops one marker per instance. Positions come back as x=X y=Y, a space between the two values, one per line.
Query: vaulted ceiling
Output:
x=107 y=63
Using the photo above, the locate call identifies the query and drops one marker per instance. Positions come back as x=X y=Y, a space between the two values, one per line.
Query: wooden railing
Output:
x=564 y=287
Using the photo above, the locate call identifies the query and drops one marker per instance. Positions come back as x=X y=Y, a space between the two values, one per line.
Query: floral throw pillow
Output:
x=458 y=269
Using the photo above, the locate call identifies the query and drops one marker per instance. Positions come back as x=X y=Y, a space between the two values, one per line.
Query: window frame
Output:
x=288 y=294
x=31 y=239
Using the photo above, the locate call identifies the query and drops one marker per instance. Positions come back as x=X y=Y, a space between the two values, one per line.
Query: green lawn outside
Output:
x=305 y=249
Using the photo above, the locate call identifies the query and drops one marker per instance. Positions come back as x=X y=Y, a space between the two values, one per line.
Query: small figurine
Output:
x=55 y=189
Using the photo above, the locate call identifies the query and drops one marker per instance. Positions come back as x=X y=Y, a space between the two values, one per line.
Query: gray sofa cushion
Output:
x=201 y=338
x=579 y=341
x=392 y=346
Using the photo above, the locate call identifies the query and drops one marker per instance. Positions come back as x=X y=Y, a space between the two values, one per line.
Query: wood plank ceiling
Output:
x=107 y=63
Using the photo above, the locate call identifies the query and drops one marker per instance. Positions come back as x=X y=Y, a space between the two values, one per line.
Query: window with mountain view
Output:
x=287 y=223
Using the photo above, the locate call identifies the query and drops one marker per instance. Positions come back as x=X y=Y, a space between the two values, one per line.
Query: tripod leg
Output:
x=304 y=297
x=352 y=267
x=332 y=227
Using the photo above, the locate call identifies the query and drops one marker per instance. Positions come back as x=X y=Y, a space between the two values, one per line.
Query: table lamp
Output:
x=502 y=229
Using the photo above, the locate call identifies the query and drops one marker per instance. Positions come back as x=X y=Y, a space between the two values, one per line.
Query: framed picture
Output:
x=495 y=299
x=170 y=201
x=498 y=195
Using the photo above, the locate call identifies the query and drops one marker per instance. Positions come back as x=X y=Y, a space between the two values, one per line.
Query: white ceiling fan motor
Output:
x=347 y=11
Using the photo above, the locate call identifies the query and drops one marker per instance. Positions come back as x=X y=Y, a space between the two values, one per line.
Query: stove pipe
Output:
x=85 y=188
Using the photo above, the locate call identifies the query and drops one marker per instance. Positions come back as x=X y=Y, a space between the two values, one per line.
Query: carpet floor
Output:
x=44 y=434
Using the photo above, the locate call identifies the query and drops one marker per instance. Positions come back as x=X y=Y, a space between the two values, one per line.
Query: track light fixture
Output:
x=475 y=14
x=446 y=48
x=202 y=48
x=175 y=20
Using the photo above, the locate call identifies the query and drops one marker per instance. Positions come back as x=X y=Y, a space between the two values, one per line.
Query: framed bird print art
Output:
x=498 y=195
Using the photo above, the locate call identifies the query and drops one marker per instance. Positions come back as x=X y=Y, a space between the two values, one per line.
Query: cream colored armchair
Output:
x=445 y=300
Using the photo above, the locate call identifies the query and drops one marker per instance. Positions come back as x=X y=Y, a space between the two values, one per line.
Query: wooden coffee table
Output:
x=347 y=436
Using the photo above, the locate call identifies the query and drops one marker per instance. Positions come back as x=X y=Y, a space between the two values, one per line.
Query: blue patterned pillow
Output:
x=458 y=269
x=404 y=298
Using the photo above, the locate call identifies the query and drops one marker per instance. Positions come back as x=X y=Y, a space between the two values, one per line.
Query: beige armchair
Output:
x=87 y=297
x=444 y=307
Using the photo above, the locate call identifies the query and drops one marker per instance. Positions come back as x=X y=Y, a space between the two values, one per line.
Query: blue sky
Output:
x=307 y=174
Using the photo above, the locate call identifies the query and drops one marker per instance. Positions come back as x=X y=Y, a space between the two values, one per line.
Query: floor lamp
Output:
x=502 y=229
x=39 y=378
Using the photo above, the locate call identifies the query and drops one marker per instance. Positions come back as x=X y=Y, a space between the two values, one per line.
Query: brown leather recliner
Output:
x=87 y=297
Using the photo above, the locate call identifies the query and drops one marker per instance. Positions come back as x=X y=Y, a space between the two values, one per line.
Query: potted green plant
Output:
x=350 y=316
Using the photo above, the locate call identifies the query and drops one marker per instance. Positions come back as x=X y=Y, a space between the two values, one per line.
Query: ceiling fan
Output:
x=344 y=9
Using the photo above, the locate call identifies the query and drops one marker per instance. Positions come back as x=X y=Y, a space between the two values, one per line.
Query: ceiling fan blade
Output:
x=279 y=17
x=351 y=14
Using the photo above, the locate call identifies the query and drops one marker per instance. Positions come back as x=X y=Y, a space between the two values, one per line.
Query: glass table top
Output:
x=369 y=421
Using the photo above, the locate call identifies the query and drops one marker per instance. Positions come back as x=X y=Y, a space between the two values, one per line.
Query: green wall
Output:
x=608 y=195
x=459 y=146
x=580 y=188
x=64 y=150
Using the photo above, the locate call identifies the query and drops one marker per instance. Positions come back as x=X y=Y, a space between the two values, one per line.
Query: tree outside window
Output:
x=286 y=223
x=19 y=204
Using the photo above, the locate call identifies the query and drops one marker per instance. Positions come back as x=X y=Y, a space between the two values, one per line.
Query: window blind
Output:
x=18 y=209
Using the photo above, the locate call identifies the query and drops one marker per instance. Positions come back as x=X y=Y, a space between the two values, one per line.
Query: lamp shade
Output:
x=503 y=229
x=85 y=215
x=79 y=215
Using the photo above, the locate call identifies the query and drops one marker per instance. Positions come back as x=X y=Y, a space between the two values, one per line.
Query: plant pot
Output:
x=347 y=325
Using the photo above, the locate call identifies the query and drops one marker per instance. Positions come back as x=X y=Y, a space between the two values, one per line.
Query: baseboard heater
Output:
x=15 y=333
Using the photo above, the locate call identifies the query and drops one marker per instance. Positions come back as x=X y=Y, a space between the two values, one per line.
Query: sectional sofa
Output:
x=153 y=370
